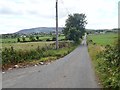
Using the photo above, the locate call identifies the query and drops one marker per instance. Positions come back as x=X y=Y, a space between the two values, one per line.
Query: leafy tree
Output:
x=54 y=38
x=75 y=26
x=23 y=38
x=18 y=39
x=74 y=35
x=31 y=38
x=37 y=37
x=50 y=33
x=48 y=39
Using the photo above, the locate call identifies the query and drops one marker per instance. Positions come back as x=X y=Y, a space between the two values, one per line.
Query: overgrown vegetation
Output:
x=109 y=67
x=10 y=56
x=106 y=61
x=25 y=46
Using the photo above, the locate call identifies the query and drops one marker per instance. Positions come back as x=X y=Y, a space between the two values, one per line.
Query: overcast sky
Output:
x=22 y=14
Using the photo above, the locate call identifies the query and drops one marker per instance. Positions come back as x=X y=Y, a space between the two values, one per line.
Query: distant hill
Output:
x=39 y=30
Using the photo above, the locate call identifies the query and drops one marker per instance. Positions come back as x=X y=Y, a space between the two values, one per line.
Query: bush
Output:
x=48 y=39
x=37 y=37
x=23 y=38
x=40 y=40
x=10 y=56
x=109 y=66
x=54 y=39
x=18 y=39
x=31 y=38
x=64 y=44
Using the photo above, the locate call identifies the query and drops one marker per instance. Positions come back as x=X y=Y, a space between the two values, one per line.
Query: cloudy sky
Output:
x=21 y=14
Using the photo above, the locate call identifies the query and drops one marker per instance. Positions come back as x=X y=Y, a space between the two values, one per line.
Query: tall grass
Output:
x=25 y=46
x=106 y=62
x=10 y=56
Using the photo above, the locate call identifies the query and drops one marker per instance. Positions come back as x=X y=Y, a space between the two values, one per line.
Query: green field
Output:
x=12 y=42
x=43 y=38
x=8 y=40
x=104 y=39
x=25 y=46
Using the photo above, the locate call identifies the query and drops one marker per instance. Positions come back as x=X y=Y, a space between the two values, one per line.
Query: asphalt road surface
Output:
x=72 y=71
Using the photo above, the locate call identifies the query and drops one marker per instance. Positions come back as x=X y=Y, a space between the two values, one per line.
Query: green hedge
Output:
x=109 y=66
x=12 y=56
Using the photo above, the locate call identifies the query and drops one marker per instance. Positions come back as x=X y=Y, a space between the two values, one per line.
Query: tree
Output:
x=74 y=35
x=31 y=38
x=18 y=39
x=23 y=38
x=54 y=38
x=51 y=33
x=37 y=37
x=75 y=27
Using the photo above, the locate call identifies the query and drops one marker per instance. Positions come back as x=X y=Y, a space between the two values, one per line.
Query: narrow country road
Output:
x=72 y=71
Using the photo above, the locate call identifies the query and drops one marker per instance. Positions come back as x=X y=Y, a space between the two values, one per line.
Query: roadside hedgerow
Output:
x=109 y=66
x=11 y=56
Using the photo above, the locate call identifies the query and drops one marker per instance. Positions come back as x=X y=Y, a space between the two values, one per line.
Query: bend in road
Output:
x=72 y=71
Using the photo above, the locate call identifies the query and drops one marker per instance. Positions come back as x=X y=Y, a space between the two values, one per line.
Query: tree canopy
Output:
x=75 y=26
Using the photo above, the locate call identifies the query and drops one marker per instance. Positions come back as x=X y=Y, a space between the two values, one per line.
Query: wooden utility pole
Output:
x=56 y=24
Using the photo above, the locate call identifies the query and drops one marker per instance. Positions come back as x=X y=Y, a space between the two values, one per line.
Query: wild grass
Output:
x=105 y=58
x=11 y=56
x=8 y=40
x=25 y=46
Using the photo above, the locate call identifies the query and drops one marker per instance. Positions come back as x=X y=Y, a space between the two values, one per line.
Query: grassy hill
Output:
x=39 y=30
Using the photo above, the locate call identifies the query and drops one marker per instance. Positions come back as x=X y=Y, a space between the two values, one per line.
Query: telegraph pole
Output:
x=56 y=24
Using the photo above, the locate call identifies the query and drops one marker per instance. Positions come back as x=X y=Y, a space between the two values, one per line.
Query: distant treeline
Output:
x=36 y=39
x=92 y=31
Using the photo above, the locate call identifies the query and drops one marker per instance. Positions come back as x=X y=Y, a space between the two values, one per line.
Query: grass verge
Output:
x=106 y=60
x=94 y=50
x=11 y=57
